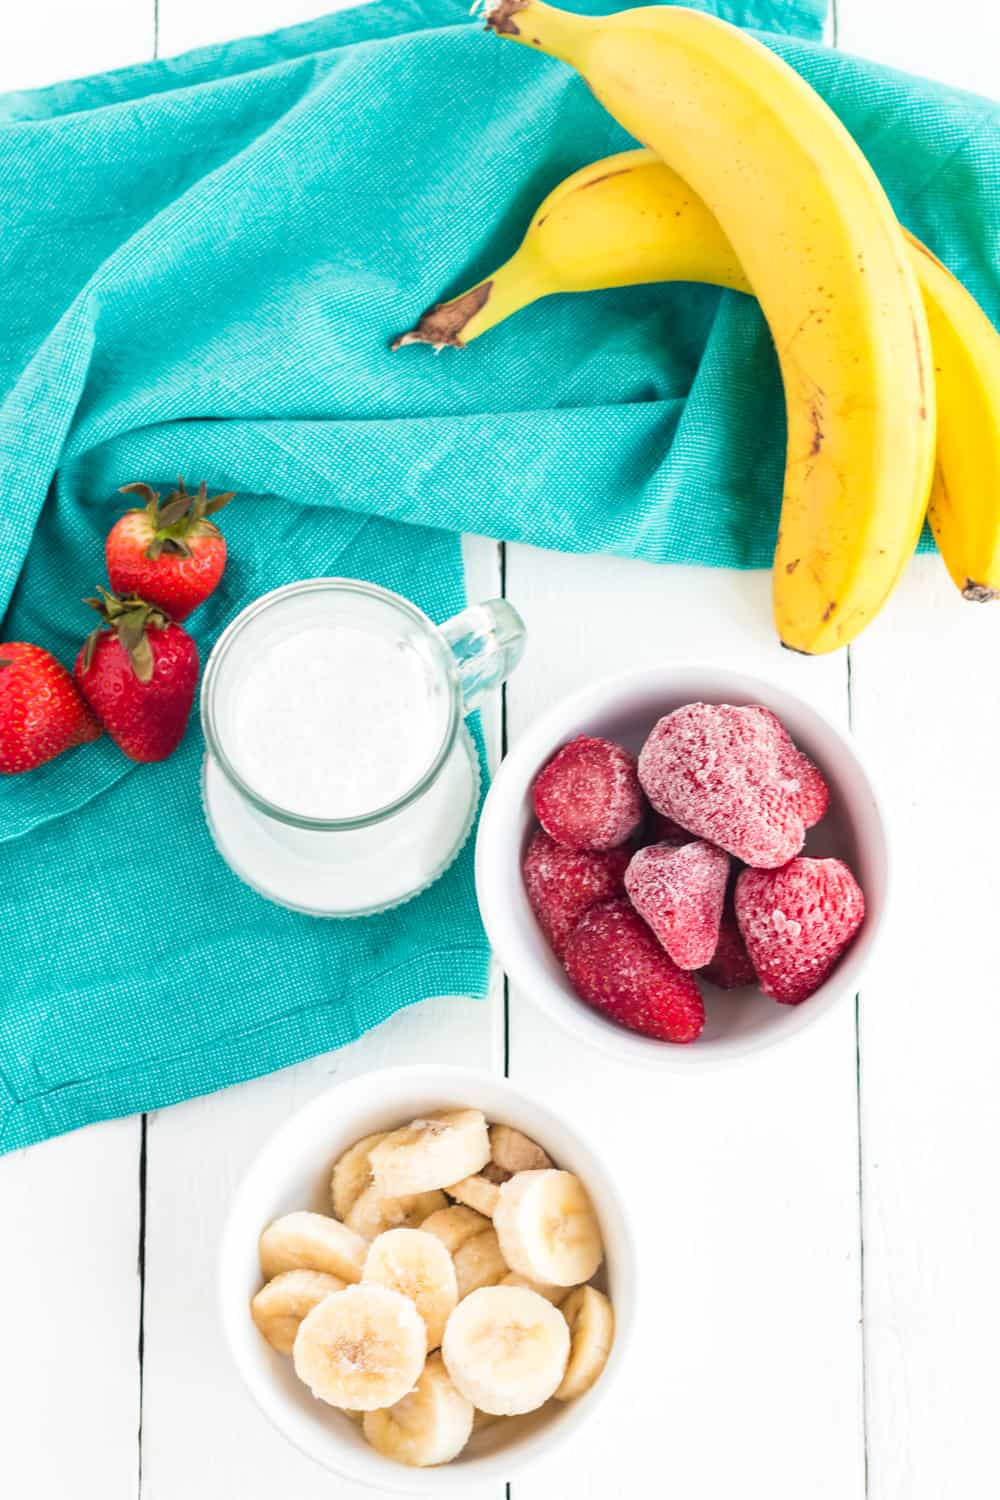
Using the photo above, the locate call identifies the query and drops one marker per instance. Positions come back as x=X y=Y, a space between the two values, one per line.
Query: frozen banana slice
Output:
x=591 y=1322
x=430 y=1425
x=454 y=1225
x=476 y=1192
x=311 y=1242
x=547 y=1228
x=418 y=1265
x=352 y=1173
x=280 y=1306
x=430 y=1153
x=361 y=1349
x=506 y=1349
x=553 y=1294
x=371 y=1214
x=479 y=1262
x=514 y=1152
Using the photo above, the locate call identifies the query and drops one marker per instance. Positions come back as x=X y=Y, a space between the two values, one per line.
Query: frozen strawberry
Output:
x=796 y=923
x=588 y=796
x=730 y=968
x=665 y=831
x=733 y=777
x=564 y=883
x=615 y=963
x=679 y=893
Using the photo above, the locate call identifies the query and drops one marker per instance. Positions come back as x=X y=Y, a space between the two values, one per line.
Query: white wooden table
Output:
x=821 y=1233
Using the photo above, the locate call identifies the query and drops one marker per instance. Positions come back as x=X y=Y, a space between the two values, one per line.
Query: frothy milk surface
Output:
x=333 y=721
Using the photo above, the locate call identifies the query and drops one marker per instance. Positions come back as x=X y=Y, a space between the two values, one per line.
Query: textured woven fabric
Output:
x=201 y=264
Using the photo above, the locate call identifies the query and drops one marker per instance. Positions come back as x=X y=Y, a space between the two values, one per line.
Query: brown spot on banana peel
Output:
x=829 y=610
x=817 y=427
x=500 y=17
x=790 y=567
x=441 y=324
x=979 y=593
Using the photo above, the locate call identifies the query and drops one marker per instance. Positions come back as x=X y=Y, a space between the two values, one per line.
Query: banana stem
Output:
x=533 y=24
x=464 y=318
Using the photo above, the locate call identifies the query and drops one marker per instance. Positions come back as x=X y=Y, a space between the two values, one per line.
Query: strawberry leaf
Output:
x=176 y=507
x=218 y=502
x=144 y=491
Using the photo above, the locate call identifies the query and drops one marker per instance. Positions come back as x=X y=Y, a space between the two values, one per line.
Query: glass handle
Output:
x=487 y=642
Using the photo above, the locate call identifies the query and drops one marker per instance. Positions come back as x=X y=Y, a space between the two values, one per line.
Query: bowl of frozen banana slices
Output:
x=427 y=1280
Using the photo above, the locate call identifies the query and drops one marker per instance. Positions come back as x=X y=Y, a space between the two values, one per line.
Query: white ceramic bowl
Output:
x=625 y=708
x=293 y=1171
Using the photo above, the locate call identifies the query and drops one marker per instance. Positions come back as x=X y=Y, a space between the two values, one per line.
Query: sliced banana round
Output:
x=312 y=1242
x=476 y=1192
x=506 y=1349
x=429 y=1153
x=591 y=1321
x=418 y=1265
x=553 y=1294
x=547 y=1227
x=280 y=1306
x=430 y=1425
x=454 y=1225
x=352 y=1173
x=362 y=1348
x=514 y=1152
x=371 y=1214
x=479 y=1262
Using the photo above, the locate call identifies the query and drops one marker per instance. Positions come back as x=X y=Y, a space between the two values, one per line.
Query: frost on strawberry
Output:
x=797 y=922
x=679 y=893
x=615 y=963
x=733 y=777
x=564 y=883
x=588 y=795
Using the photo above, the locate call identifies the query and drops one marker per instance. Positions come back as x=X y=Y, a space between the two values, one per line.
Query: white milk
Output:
x=336 y=722
x=333 y=704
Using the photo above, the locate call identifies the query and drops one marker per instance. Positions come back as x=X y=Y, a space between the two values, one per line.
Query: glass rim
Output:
x=336 y=585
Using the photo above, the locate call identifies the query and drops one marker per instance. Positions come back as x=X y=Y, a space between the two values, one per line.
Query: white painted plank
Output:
x=925 y=705
x=958 y=43
x=48 y=40
x=69 y=1379
x=746 y=1376
x=184 y=25
x=69 y=1251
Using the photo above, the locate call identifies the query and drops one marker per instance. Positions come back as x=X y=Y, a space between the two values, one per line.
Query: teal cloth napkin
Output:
x=202 y=261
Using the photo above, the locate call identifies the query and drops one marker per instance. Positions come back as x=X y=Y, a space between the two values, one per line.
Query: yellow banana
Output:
x=822 y=249
x=964 y=508
x=630 y=219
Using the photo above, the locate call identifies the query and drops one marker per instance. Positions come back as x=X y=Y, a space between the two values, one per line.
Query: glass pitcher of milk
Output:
x=339 y=777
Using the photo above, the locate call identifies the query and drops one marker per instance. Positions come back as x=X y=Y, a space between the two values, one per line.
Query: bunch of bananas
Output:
x=891 y=370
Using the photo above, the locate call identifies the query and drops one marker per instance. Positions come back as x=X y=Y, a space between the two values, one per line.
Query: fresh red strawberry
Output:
x=138 y=671
x=171 y=555
x=679 y=893
x=796 y=923
x=564 y=883
x=41 y=712
x=615 y=963
x=587 y=796
x=733 y=777
x=730 y=968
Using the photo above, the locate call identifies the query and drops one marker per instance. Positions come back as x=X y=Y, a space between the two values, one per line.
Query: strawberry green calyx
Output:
x=180 y=516
x=130 y=618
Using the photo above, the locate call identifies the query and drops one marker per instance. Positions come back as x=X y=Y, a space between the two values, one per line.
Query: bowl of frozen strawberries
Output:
x=427 y=1279
x=683 y=864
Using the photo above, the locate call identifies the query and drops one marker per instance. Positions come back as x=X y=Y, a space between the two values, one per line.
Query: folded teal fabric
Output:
x=202 y=262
